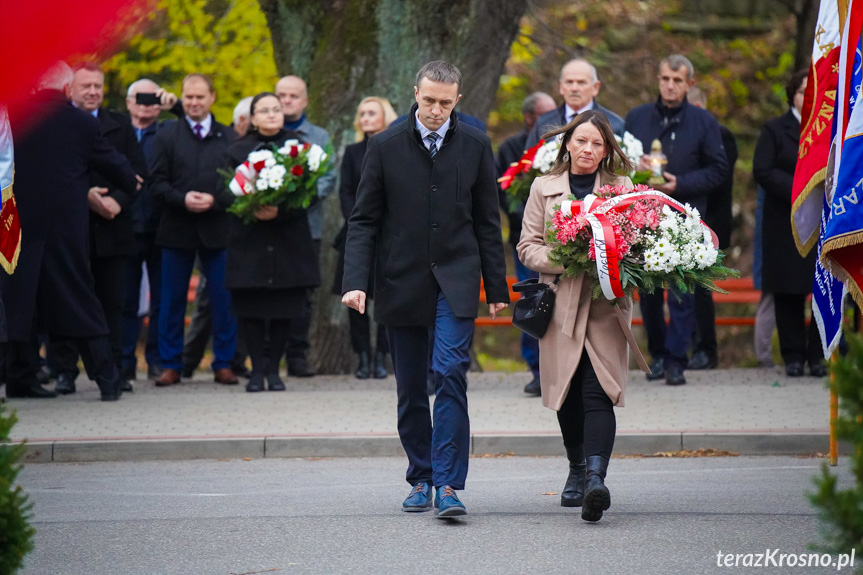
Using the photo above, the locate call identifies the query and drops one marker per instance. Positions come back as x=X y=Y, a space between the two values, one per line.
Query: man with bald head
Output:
x=145 y=222
x=112 y=239
x=579 y=85
x=293 y=94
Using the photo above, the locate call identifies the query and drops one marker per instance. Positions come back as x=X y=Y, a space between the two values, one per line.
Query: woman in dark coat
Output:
x=373 y=115
x=271 y=262
x=785 y=274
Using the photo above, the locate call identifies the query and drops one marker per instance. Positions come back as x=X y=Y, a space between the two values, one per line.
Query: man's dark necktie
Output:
x=432 y=138
x=198 y=129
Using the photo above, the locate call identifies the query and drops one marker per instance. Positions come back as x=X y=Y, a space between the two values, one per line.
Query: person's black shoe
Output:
x=363 y=370
x=573 y=492
x=818 y=370
x=300 y=368
x=674 y=374
x=111 y=390
x=256 y=382
x=240 y=370
x=700 y=360
x=187 y=373
x=33 y=391
x=380 y=367
x=533 y=387
x=657 y=370
x=65 y=384
x=43 y=375
x=154 y=371
x=274 y=382
x=596 y=495
x=126 y=385
x=129 y=373
x=794 y=368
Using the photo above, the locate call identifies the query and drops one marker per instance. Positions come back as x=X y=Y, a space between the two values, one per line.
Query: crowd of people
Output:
x=108 y=199
x=254 y=299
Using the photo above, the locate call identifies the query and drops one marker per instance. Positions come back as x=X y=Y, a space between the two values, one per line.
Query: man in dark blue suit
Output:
x=579 y=85
x=427 y=207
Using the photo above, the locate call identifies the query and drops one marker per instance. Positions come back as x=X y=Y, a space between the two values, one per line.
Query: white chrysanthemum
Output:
x=277 y=171
x=546 y=155
x=315 y=156
x=260 y=156
x=261 y=184
x=285 y=150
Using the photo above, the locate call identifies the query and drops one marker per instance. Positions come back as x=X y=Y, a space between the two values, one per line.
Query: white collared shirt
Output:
x=425 y=131
x=569 y=114
x=796 y=114
x=206 y=124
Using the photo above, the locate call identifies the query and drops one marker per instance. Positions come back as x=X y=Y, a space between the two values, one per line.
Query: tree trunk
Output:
x=349 y=49
x=807 y=17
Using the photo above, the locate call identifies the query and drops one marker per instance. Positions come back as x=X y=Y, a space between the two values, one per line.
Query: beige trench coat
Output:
x=578 y=322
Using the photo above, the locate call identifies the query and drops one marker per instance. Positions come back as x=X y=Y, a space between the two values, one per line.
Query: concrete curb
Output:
x=526 y=444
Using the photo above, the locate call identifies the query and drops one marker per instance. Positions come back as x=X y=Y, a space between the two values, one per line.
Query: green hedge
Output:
x=16 y=534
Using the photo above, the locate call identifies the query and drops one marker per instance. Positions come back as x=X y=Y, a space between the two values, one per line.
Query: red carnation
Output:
x=306 y=146
x=295 y=151
x=297 y=170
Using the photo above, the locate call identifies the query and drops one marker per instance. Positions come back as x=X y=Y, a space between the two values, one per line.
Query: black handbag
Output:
x=532 y=313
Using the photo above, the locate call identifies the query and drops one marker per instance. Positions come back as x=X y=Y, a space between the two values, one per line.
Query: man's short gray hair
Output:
x=57 y=77
x=678 y=61
x=593 y=76
x=440 y=71
x=139 y=85
x=243 y=108
x=528 y=106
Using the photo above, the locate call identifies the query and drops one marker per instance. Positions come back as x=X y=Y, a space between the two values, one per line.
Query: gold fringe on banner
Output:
x=836 y=269
x=816 y=180
x=7 y=265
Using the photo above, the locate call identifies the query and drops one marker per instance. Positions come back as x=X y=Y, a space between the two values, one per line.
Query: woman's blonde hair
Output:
x=389 y=115
x=611 y=167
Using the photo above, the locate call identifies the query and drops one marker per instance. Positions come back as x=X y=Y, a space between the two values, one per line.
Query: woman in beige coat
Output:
x=584 y=355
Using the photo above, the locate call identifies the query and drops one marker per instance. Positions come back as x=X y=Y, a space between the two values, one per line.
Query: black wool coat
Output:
x=783 y=270
x=273 y=254
x=116 y=237
x=430 y=223
x=53 y=162
x=182 y=163
x=719 y=215
x=509 y=152
x=349 y=181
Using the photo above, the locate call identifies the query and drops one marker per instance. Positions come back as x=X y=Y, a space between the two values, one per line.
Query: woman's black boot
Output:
x=573 y=492
x=596 y=496
x=363 y=371
x=380 y=365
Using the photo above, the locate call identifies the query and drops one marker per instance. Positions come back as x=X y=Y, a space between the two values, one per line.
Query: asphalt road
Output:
x=292 y=516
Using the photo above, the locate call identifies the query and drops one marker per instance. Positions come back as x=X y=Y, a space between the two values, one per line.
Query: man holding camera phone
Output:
x=145 y=100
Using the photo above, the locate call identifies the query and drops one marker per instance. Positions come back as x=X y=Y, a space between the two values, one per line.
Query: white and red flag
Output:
x=815 y=129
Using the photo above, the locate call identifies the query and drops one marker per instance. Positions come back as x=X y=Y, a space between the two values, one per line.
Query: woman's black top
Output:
x=581 y=184
x=274 y=254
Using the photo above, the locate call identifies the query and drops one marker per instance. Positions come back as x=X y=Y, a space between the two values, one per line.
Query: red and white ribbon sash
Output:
x=243 y=182
x=605 y=245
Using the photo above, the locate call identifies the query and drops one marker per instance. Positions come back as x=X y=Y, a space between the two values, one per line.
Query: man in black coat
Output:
x=53 y=287
x=696 y=167
x=509 y=152
x=112 y=239
x=579 y=86
x=719 y=217
x=187 y=155
x=427 y=207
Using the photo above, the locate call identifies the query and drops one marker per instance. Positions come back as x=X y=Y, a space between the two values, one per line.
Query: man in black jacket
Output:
x=579 y=86
x=696 y=168
x=53 y=287
x=427 y=207
x=112 y=239
x=719 y=216
x=186 y=158
x=509 y=152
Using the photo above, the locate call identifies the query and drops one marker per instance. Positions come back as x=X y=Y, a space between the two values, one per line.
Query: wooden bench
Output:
x=740 y=291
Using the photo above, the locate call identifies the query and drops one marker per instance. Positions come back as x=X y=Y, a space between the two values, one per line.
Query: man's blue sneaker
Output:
x=419 y=499
x=447 y=503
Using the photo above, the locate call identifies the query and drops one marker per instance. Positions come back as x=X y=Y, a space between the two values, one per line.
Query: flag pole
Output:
x=834 y=413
